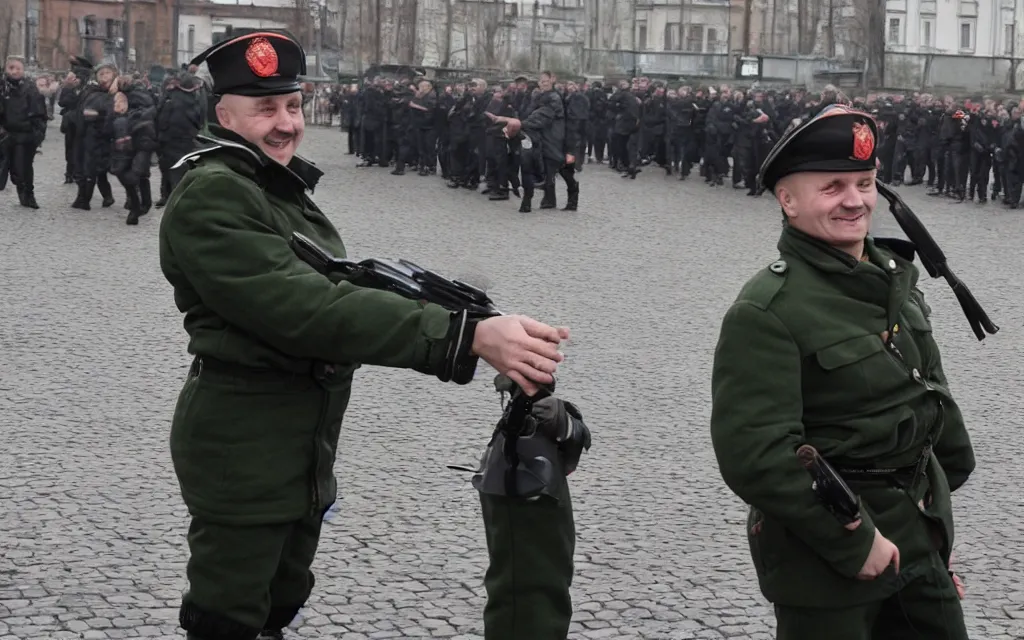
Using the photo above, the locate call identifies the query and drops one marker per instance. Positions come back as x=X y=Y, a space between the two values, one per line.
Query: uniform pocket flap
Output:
x=849 y=351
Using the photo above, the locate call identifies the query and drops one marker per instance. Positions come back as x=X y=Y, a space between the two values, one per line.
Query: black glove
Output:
x=561 y=422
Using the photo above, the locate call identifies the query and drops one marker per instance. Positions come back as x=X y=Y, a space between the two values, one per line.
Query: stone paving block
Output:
x=94 y=356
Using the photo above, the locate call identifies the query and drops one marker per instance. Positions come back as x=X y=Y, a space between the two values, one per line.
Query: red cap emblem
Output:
x=262 y=57
x=863 y=141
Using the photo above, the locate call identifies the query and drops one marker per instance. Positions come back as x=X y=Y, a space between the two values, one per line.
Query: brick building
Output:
x=13 y=19
x=95 y=28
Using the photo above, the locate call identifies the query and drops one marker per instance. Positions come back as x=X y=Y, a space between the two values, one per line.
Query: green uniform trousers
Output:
x=530 y=544
x=921 y=610
x=256 y=576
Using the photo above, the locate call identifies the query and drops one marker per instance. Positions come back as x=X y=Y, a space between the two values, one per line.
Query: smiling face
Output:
x=275 y=124
x=833 y=207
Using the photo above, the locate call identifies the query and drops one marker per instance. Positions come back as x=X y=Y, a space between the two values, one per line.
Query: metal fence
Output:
x=668 y=63
x=800 y=70
x=952 y=73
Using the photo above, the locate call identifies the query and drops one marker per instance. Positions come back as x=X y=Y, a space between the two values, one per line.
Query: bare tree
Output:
x=412 y=18
x=808 y=19
x=449 y=31
x=6 y=35
x=610 y=18
x=404 y=18
x=488 y=19
x=876 y=43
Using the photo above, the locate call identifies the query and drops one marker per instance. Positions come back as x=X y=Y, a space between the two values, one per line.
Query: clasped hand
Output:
x=521 y=348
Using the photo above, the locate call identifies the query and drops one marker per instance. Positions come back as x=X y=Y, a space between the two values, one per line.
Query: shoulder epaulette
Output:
x=763 y=287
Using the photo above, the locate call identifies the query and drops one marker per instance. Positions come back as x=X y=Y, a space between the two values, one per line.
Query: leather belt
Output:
x=318 y=370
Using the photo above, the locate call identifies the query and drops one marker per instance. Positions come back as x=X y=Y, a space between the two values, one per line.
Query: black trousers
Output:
x=373 y=142
x=426 y=148
x=69 y=154
x=497 y=164
x=742 y=161
x=20 y=159
x=961 y=169
x=464 y=166
x=598 y=139
x=981 y=167
x=536 y=170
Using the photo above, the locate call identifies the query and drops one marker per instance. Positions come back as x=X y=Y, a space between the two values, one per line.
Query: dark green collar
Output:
x=825 y=257
x=301 y=171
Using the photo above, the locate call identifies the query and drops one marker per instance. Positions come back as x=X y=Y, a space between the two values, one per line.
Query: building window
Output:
x=671 y=39
x=139 y=36
x=191 y=41
x=894 y=31
x=969 y=8
x=966 y=36
x=926 y=33
x=695 y=38
x=712 y=41
x=641 y=37
x=1008 y=39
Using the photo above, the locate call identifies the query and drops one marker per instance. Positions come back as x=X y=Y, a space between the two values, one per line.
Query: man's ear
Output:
x=786 y=200
x=223 y=115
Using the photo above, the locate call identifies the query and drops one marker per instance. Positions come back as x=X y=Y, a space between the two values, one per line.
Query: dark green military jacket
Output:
x=803 y=358
x=254 y=439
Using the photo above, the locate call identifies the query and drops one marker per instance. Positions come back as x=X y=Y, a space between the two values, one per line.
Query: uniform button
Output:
x=916 y=374
x=892 y=264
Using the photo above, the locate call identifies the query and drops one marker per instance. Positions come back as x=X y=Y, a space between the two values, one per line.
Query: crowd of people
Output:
x=722 y=132
x=514 y=138
x=113 y=125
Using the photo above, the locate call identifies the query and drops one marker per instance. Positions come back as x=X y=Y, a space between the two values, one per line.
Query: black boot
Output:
x=573 y=200
x=268 y=634
x=106 y=193
x=526 y=206
x=145 y=196
x=134 y=207
x=28 y=197
x=85 y=191
x=498 y=194
x=548 y=201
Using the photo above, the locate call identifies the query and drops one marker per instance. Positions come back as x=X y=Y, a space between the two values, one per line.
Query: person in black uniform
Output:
x=95 y=138
x=178 y=121
x=496 y=145
x=597 y=136
x=23 y=119
x=68 y=101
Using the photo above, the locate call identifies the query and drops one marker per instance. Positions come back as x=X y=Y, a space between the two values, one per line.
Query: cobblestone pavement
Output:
x=93 y=355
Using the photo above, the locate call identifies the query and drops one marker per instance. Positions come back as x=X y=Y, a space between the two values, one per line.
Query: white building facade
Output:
x=197 y=32
x=956 y=27
x=699 y=26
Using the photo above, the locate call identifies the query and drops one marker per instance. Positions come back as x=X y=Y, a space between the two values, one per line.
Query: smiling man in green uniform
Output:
x=831 y=346
x=255 y=431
